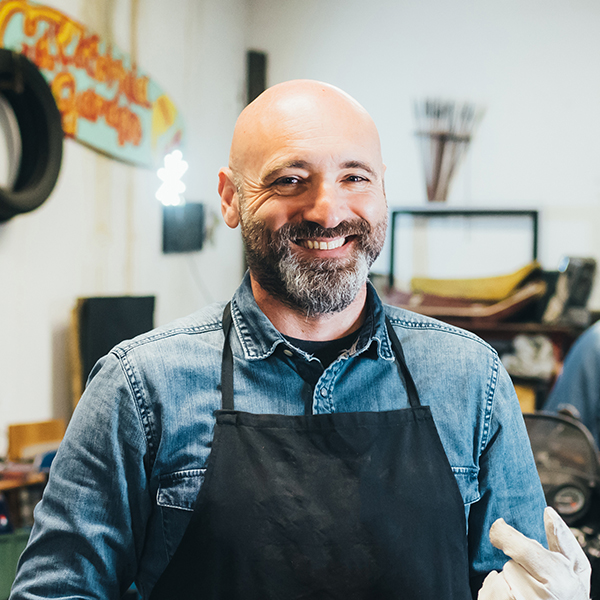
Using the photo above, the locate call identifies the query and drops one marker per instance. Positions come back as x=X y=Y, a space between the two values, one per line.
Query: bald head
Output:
x=306 y=133
x=298 y=108
x=305 y=181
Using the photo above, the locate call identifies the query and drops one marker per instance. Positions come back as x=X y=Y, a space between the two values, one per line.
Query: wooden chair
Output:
x=26 y=440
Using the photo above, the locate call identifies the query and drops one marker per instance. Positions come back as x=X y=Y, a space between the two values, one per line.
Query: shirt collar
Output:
x=259 y=338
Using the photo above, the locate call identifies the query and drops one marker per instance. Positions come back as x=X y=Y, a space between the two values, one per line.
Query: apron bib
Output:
x=344 y=506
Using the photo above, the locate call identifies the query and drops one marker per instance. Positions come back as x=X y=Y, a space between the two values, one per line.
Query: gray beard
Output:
x=317 y=286
x=324 y=286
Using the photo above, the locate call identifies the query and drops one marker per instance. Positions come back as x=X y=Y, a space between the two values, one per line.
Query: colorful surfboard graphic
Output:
x=105 y=101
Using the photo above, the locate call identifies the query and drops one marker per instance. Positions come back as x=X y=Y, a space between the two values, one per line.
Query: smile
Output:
x=322 y=244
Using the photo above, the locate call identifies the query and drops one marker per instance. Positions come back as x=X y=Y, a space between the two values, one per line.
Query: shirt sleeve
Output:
x=578 y=386
x=509 y=486
x=89 y=527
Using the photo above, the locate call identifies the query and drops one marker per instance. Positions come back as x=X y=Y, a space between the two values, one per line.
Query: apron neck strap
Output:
x=227 y=365
x=411 y=388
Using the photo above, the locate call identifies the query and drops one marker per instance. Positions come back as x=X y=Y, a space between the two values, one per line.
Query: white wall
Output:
x=532 y=63
x=100 y=231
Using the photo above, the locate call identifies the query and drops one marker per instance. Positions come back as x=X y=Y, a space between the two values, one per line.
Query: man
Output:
x=304 y=441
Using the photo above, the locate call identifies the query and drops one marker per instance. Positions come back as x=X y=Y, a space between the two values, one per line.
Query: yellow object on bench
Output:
x=482 y=288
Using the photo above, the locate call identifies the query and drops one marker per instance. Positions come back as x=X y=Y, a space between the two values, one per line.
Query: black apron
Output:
x=348 y=506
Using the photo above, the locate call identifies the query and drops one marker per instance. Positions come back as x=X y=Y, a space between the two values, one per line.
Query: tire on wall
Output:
x=41 y=136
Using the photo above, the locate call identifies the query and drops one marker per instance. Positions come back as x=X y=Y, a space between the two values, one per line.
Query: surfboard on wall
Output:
x=105 y=101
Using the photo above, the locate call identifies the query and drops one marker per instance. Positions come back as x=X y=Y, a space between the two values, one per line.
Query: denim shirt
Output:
x=124 y=481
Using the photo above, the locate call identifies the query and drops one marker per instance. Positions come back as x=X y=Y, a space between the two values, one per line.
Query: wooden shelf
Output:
x=19 y=482
x=562 y=336
x=514 y=327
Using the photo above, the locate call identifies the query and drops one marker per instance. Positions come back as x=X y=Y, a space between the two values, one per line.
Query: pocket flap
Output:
x=468 y=484
x=179 y=490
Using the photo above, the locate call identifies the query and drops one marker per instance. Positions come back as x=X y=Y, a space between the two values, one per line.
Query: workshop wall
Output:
x=532 y=63
x=100 y=231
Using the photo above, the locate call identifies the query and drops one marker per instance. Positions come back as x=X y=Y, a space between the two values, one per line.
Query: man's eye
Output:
x=356 y=178
x=287 y=181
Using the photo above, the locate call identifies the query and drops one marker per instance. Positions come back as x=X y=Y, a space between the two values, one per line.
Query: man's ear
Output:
x=229 y=198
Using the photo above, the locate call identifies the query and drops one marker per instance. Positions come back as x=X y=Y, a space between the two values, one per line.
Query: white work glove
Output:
x=561 y=573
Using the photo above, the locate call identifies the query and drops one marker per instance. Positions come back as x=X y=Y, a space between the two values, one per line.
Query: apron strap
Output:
x=227 y=363
x=411 y=388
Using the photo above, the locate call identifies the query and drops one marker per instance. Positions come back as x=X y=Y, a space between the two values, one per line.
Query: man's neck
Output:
x=324 y=327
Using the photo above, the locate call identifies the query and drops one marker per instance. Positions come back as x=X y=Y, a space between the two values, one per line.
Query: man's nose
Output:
x=326 y=206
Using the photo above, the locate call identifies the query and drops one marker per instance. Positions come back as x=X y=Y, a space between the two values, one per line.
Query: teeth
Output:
x=316 y=245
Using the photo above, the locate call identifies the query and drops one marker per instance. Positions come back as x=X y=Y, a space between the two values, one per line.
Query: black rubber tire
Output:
x=41 y=131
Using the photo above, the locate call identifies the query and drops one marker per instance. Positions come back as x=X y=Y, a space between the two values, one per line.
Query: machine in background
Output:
x=568 y=464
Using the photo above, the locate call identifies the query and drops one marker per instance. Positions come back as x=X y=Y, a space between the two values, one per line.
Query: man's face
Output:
x=312 y=206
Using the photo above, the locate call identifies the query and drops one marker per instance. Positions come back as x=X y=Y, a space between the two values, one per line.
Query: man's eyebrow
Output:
x=358 y=164
x=290 y=164
x=304 y=164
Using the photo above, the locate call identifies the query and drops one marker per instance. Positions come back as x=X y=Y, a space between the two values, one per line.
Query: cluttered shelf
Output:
x=533 y=354
x=531 y=316
x=21 y=488
x=532 y=351
x=23 y=476
x=562 y=336
x=31 y=448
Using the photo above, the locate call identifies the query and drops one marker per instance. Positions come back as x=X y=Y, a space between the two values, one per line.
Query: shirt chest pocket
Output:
x=175 y=499
x=468 y=484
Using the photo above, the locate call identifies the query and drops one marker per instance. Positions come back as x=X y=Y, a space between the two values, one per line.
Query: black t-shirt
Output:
x=326 y=351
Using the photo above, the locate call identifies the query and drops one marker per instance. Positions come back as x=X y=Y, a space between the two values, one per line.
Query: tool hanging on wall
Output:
x=444 y=132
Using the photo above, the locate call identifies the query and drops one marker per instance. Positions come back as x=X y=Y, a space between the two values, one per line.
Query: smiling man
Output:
x=303 y=440
x=306 y=183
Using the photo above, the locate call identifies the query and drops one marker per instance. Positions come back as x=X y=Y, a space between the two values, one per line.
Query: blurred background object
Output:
x=574 y=282
x=444 y=131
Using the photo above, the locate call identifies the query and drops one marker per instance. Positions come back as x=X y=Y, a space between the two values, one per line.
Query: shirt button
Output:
x=323 y=392
x=288 y=352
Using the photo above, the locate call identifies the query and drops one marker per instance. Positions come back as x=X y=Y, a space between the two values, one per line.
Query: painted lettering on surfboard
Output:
x=105 y=101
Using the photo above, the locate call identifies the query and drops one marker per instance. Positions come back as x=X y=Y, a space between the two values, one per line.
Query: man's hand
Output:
x=561 y=573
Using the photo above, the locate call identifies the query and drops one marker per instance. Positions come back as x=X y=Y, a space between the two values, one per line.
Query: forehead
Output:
x=315 y=152
x=319 y=134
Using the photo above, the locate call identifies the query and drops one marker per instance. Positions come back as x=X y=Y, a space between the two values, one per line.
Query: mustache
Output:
x=308 y=229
